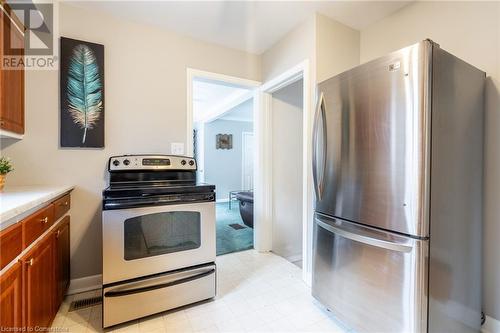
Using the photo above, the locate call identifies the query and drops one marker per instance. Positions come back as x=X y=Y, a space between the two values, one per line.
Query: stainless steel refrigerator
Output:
x=397 y=168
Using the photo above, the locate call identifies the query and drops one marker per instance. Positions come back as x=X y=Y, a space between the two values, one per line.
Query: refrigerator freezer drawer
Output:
x=371 y=280
x=132 y=300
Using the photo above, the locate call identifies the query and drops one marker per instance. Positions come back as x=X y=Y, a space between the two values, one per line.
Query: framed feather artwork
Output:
x=82 y=94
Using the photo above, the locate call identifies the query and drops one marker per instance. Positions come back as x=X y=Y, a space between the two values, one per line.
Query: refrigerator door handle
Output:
x=318 y=178
x=366 y=236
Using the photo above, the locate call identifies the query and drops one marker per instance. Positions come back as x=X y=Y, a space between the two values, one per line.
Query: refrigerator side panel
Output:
x=372 y=159
x=456 y=195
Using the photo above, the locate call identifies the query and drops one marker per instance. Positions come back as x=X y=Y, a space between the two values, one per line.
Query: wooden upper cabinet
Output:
x=11 y=294
x=11 y=81
x=39 y=286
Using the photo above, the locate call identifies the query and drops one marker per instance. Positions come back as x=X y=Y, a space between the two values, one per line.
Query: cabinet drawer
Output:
x=11 y=244
x=61 y=206
x=37 y=224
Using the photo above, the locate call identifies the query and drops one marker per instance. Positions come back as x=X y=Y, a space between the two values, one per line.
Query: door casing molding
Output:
x=262 y=117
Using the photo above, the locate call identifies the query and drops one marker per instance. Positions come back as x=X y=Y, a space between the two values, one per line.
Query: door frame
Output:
x=259 y=188
x=201 y=74
x=243 y=135
x=263 y=100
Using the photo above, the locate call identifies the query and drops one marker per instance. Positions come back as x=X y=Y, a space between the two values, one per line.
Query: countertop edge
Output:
x=18 y=213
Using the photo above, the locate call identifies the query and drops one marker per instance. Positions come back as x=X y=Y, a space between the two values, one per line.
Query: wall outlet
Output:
x=177 y=148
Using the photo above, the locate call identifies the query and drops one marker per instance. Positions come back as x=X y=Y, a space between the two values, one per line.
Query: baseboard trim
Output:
x=294 y=258
x=491 y=325
x=85 y=284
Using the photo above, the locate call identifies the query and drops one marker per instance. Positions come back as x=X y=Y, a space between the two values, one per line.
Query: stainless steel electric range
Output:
x=158 y=237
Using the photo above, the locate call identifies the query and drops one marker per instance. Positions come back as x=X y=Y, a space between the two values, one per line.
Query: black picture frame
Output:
x=76 y=129
x=224 y=141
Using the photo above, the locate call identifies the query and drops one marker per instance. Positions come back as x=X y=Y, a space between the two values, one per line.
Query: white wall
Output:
x=223 y=167
x=298 y=45
x=471 y=31
x=287 y=108
x=316 y=34
x=145 y=84
x=337 y=48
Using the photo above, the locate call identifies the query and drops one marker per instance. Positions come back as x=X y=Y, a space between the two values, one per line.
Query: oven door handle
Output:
x=126 y=292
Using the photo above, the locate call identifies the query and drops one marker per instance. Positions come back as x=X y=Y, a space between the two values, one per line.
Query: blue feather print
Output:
x=84 y=89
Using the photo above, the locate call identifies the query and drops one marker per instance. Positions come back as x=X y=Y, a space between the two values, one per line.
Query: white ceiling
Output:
x=243 y=112
x=251 y=26
x=213 y=100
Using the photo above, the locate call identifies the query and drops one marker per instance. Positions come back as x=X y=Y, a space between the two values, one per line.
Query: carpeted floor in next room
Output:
x=230 y=239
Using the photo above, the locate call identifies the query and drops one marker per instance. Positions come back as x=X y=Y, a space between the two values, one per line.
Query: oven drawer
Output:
x=157 y=293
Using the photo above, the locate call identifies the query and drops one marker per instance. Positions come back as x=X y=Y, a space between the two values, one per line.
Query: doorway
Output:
x=287 y=190
x=300 y=160
x=222 y=142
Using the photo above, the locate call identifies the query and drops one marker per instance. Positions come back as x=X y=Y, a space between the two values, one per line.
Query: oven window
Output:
x=161 y=233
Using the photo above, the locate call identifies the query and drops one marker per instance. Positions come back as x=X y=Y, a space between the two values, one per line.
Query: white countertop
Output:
x=17 y=202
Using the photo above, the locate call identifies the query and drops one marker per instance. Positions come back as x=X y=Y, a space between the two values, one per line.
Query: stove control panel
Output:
x=151 y=162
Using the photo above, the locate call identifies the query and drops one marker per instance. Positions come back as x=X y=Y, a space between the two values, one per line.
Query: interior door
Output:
x=371 y=133
x=371 y=280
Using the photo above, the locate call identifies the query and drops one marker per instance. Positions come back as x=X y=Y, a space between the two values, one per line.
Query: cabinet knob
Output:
x=29 y=262
x=58 y=233
x=64 y=204
x=44 y=220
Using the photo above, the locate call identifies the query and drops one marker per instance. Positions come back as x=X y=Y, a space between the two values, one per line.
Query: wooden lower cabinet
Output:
x=34 y=282
x=11 y=244
x=61 y=260
x=11 y=296
x=39 y=286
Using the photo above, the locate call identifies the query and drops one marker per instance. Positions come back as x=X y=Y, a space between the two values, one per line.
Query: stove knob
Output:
x=126 y=162
x=183 y=162
x=191 y=163
x=116 y=163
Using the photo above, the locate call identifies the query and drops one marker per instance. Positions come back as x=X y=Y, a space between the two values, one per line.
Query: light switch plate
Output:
x=177 y=148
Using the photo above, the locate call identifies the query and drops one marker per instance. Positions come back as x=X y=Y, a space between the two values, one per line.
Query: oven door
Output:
x=150 y=240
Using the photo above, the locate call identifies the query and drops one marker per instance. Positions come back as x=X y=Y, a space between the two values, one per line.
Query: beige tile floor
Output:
x=257 y=292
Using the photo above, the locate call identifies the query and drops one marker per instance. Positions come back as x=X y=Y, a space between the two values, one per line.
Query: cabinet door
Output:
x=11 y=244
x=11 y=81
x=39 y=283
x=61 y=236
x=11 y=298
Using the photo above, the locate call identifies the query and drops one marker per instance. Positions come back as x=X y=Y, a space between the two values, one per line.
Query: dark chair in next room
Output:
x=246 y=207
